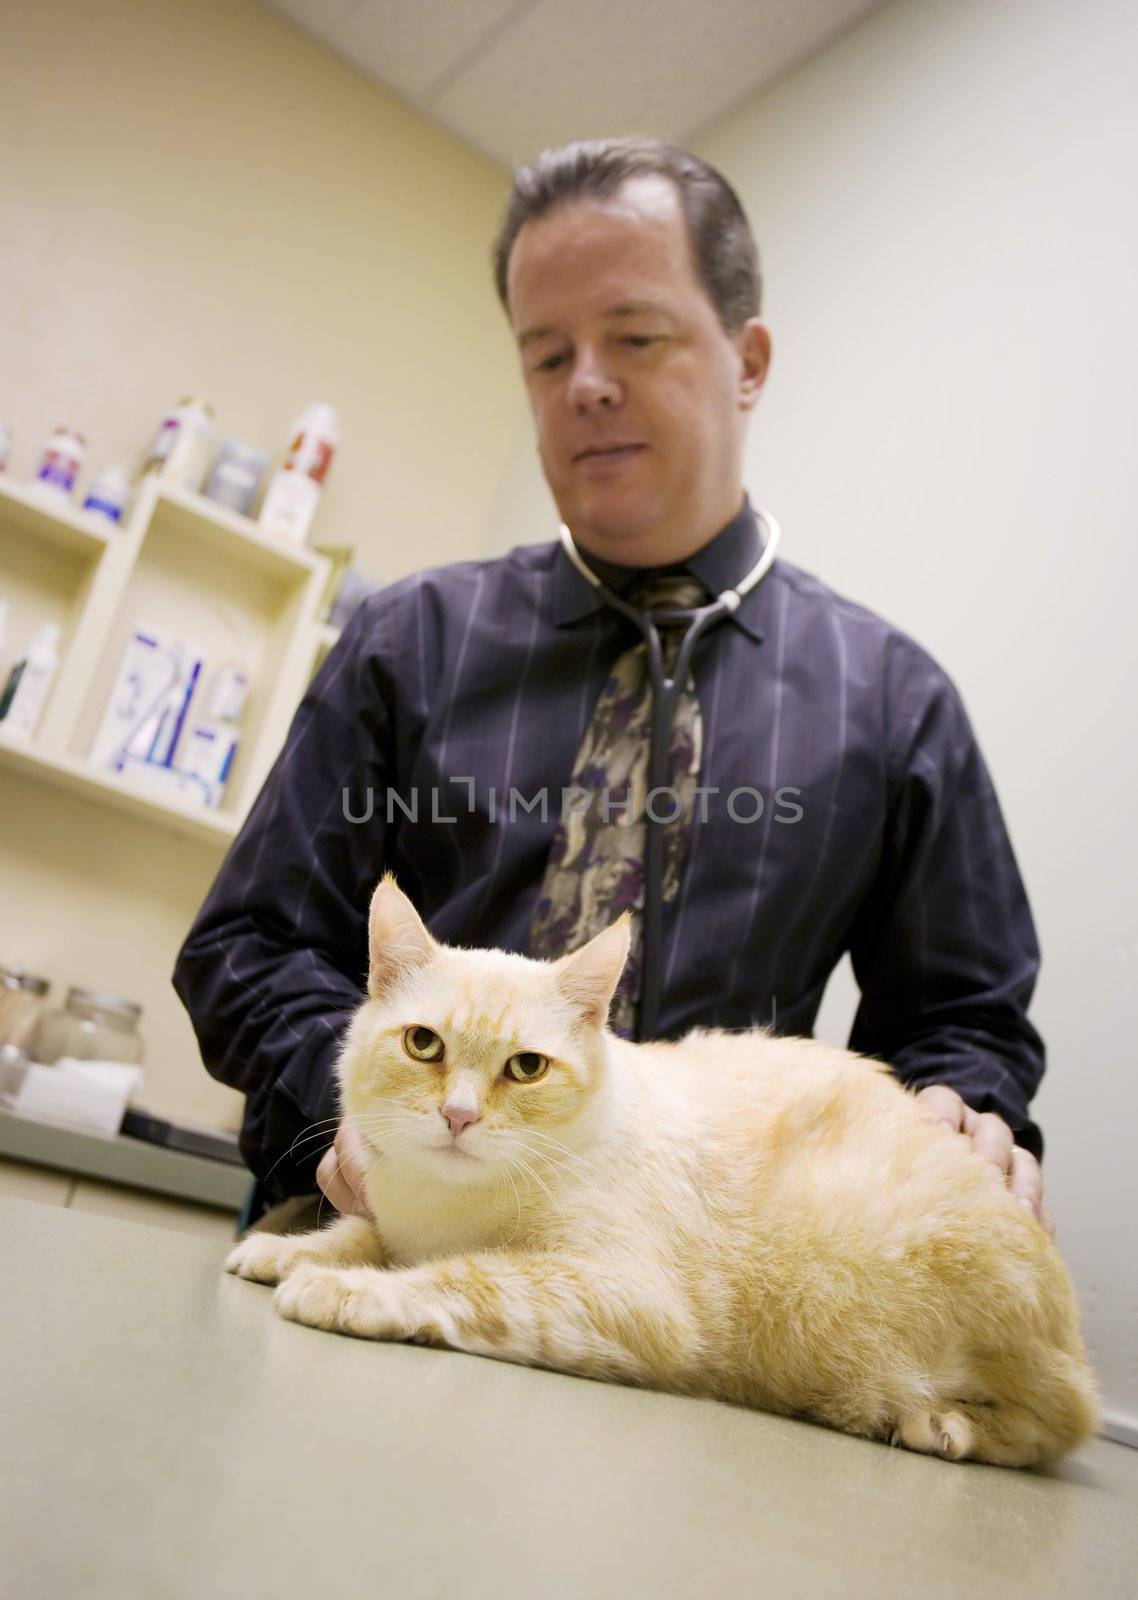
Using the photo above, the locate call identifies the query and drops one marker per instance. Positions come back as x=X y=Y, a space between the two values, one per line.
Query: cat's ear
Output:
x=397 y=940
x=588 y=978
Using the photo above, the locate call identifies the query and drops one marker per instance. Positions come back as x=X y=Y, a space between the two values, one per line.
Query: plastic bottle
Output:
x=62 y=460
x=236 y=476
x=109 y=493
x=183 y=446
x=294 y=493
x=29 y=682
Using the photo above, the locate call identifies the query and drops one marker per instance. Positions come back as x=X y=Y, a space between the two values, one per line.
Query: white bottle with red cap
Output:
x=294 y=493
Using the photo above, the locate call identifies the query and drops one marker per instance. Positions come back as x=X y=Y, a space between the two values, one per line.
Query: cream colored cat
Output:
x=765 y=1220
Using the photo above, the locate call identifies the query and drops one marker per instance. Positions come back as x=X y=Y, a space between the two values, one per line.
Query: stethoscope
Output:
x=665 y=700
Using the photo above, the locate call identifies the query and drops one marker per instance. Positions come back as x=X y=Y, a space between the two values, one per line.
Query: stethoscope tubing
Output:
x=665 y=701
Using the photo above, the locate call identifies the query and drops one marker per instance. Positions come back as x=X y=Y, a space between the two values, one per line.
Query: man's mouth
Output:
x=607 y=452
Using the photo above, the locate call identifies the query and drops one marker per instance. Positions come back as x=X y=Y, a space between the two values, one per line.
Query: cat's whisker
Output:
x=518 y=1199
x=564 y=1166
x=552 y=1165
x=316 y=1131
x=528 y=1170
x=312 y=1131
x=559 y=1145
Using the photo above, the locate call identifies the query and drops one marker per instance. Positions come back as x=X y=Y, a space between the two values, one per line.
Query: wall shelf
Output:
x=49 y=518
x=231 y=537
x=78 y=776
x=211 y=577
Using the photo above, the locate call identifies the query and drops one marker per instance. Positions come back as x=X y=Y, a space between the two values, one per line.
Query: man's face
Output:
x=639 y=396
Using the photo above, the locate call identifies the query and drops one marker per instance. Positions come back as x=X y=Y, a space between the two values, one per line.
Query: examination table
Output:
x=166 y=1435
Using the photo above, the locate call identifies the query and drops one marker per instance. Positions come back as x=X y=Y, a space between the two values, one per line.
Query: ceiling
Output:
x=513 y=76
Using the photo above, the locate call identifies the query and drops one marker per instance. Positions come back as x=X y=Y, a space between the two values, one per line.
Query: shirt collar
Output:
x=719 y=564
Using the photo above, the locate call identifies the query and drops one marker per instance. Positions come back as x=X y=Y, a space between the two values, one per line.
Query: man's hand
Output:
x=992 y=1140
x=342 y=1171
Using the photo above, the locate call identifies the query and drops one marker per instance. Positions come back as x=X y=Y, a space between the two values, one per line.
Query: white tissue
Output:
x=116 y=1074
x=83 y=1094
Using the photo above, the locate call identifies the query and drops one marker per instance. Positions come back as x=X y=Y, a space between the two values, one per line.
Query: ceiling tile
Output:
x=512 y=76
x=409 y=47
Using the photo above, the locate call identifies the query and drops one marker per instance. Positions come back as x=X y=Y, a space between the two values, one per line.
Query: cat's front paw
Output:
x=365 y=1301
x=266 y=1257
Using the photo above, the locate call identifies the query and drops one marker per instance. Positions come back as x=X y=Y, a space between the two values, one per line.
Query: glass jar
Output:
x=22 y=1000
x=91 y=1027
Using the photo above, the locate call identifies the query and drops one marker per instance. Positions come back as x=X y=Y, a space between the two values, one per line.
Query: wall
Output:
x=945 y=205
x=199 y=199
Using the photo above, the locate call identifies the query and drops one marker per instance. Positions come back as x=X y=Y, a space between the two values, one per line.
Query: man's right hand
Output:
x=342 y=1171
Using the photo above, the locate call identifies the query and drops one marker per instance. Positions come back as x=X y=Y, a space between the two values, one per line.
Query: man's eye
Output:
x=550 y=364
x=641 y=340
x=527 y=1066
x=423 y=1044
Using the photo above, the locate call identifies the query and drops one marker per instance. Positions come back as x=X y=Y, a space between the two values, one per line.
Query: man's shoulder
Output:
x=459 y=580
x=875 y=637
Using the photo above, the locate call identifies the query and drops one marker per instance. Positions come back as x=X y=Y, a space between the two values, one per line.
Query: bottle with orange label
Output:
x=294 y=493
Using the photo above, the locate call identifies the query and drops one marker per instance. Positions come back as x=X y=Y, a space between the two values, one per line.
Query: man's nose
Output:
x=591 y=383
x=459 y=1117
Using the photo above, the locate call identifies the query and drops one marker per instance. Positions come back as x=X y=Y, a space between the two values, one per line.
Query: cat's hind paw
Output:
x=934 y=1433
x=365 y=1301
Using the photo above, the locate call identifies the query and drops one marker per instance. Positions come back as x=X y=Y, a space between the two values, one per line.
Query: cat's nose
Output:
x=459 y=1117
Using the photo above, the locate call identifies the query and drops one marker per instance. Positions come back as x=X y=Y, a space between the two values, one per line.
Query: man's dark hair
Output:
x=594 y=169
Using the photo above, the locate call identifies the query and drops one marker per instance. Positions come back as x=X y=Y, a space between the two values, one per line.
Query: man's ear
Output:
x=588 y=978
x=397 y=940
x=753 y=343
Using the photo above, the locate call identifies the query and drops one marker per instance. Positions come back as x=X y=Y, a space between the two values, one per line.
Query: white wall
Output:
x=945 y=204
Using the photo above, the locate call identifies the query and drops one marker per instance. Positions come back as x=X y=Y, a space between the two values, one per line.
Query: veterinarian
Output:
x=482 y=731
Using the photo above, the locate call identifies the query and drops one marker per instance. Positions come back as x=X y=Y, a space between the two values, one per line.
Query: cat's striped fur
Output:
x=765 y=1220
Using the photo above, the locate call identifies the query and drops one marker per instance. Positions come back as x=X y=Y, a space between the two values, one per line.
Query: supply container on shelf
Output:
x=109 y=494
x=236 y=476
x=29 y=683
x=23 y=998
x=62 y=461
x=183 y=446
x=90 y=1027
x=294 y=491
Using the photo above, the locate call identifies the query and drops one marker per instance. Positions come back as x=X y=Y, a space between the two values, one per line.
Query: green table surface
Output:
x=164 y=1434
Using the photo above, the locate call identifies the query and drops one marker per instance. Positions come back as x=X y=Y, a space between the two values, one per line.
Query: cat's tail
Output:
x=1039 y=1403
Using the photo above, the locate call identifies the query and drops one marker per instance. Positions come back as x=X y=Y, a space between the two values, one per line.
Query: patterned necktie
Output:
x=596 y=862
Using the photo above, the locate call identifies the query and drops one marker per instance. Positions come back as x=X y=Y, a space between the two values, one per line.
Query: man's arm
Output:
x=944 y=948
x=275 y=963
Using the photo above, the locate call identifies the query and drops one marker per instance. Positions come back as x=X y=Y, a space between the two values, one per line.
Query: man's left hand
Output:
x=993 y=1141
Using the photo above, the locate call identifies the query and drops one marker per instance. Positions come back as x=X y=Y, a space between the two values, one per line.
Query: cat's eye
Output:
x=423 y=1044
x=527 y=1066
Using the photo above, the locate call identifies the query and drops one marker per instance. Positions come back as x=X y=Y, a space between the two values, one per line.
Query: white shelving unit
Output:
x=182 y=562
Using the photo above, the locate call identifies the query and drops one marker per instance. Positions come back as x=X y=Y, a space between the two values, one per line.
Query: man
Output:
x=844 y=803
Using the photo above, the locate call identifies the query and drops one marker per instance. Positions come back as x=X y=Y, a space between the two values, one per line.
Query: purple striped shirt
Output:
x=845 y=806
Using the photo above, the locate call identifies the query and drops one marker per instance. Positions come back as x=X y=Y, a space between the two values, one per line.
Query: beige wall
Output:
x=945 y=204
x=197 y=198
x=200 y=199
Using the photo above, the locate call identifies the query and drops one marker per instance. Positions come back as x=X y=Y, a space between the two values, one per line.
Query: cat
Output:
x=769 y=1221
